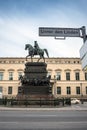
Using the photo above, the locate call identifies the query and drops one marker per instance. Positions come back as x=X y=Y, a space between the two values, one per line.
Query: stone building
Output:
x=67 y=77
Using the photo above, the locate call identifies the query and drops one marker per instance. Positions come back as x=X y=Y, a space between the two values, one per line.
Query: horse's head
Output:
x=26 y=46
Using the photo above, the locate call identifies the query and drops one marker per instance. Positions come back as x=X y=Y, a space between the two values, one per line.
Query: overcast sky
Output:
x=20 y=20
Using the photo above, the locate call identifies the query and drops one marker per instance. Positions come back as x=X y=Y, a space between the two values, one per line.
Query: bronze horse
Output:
x=35 y=51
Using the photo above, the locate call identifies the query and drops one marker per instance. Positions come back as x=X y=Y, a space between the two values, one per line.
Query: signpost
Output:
x=63 y=32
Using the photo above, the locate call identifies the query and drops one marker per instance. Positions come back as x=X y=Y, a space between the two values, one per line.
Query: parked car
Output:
x=0 y=95
x=75 y=101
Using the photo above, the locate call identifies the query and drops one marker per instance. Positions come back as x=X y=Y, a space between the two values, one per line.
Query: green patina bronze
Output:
x=36 y=50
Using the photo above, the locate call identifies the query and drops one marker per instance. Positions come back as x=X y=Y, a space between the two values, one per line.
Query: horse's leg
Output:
x=43 y=55
x=27 y=57
x=31 y=59
x=39 y=59
x=43 y=58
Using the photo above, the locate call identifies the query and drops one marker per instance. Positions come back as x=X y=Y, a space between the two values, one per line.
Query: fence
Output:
x=40 y=102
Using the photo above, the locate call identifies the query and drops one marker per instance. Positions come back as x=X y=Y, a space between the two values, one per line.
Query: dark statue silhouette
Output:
x=35 y=51
x=35 y=82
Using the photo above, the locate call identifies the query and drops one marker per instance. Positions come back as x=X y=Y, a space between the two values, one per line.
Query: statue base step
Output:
x=34 y=97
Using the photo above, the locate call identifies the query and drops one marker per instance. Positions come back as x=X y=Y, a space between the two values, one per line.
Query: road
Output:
x=43 y=120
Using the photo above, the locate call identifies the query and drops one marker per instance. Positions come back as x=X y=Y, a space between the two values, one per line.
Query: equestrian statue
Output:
x=36 y=50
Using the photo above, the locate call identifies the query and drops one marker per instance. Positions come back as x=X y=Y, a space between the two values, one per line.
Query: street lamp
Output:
x=55 y=90
x=81 y=93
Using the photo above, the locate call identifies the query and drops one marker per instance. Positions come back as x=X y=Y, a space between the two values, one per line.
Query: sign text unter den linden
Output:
x=60 y=32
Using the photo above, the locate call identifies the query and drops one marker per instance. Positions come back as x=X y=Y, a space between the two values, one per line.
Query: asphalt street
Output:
x=43 y=120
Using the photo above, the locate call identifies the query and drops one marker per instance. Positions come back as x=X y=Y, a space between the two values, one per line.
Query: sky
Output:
x=20 y=21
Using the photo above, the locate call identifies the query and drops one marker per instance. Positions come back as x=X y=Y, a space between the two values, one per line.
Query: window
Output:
x=85 y=76
x=68 y=90
x=86 y=89
x=58 y=90
x=67 y=76
x=58 y=76
x=77 y=90
x=10 y=75
x=77 y=76
x=19 y=74
x=1 y=75
x=10 y=90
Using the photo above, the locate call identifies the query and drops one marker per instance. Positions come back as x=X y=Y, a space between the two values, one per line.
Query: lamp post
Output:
x=55 y=86
x=81 y=93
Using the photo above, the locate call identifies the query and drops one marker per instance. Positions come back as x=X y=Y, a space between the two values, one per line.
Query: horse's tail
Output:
x=46 y=52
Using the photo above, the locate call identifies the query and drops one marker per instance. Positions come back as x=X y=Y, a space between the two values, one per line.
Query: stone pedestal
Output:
x=35 y=83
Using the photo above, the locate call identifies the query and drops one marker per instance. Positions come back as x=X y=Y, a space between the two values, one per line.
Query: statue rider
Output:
x=36 y=47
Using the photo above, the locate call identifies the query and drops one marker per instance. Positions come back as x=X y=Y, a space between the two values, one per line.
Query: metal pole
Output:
x=55 y=86
x=81 y=94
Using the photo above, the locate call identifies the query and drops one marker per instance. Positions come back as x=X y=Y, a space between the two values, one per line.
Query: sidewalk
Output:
x=78 y=107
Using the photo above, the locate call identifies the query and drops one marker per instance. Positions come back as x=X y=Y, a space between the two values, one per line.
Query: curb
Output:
x=43 y=109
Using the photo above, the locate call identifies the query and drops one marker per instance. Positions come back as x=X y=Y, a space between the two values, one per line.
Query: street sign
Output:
x=59 y=32
x=62 y=33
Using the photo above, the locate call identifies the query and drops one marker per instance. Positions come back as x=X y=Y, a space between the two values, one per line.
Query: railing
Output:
x=39 y=102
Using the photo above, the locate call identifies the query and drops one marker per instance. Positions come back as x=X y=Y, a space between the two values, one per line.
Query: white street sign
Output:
x=59 y=32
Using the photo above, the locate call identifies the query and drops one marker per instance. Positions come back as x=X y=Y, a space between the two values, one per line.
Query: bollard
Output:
x=63 y=101
x=5 y=101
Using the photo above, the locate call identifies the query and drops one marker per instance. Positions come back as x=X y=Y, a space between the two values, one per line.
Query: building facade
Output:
x=67 y=77
x=83 y=55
